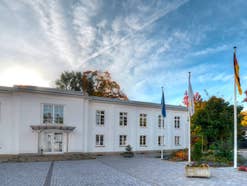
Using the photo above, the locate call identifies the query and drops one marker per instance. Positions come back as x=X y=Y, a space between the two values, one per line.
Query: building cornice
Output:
x=58 y=92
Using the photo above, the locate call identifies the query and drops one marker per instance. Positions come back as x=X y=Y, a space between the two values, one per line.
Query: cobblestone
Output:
x=23 y=174
x=114 y=170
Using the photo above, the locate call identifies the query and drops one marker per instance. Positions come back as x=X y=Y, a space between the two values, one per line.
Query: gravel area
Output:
x=113 y=170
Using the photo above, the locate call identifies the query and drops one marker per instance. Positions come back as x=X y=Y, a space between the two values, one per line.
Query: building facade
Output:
x=45 y=120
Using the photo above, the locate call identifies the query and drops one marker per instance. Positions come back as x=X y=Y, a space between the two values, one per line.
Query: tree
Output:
x=215 y=120
x=244 y=118
x=70 y=81
x=92 y=83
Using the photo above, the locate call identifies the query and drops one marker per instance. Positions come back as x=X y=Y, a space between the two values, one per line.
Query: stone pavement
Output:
x=112 y=170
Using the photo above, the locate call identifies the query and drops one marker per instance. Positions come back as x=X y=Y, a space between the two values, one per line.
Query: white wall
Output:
x=111 y=130
x=8 y=131
x=20 y=110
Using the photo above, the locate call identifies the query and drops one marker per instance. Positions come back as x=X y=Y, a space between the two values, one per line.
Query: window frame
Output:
x=123 y=119
x=122 y=142
x=177 y=122
x=143 y=120
x=161 y=122
x=143 y=141
x=53 y=118
x=177 y=140
x=99 y=122
x=101 y=140
x=161 y=140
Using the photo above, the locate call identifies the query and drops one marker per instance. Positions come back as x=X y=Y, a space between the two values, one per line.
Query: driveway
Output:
x=112 y=170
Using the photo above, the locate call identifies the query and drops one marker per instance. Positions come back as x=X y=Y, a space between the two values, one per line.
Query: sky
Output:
x=144 y=44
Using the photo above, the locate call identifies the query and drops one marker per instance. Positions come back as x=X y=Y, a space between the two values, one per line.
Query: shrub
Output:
x=181 y=155
x=128 y=152
x=196 y=152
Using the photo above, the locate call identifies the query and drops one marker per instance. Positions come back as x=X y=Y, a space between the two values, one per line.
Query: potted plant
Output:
x=128 y=152
x=197 y=170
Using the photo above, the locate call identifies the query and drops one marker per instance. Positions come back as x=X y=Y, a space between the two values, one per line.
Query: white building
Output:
x=34 y=119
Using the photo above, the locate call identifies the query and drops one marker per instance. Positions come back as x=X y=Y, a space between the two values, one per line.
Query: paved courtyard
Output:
x=112 y=170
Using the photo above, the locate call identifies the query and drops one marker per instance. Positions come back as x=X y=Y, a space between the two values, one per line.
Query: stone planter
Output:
x=200 y=172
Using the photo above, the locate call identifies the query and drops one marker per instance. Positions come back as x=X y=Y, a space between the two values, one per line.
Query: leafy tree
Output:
x=215 y=120
x=70 y=81
x=244 y=118
x=93 y=83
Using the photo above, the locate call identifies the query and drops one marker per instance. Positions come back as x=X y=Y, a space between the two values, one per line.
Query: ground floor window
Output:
x=99 y=140
x=142 y=140
x=161 y=140
x=177 y=140
x=122 y=140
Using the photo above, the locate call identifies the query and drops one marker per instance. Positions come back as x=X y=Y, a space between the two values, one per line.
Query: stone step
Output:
x=39 y=158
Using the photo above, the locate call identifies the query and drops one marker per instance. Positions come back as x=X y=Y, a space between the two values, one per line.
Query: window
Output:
x=100 y=117
x=53 y=113
x=142 y=140
x=122 y=140
x=177 y=122
x=161 y=122
x=161 y=140
x=143 y=120
x=177 y=140
x=99 y=140
x=123 y=118
x=58 y=113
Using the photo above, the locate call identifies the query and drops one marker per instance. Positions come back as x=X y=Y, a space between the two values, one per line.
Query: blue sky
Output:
x=143 y=44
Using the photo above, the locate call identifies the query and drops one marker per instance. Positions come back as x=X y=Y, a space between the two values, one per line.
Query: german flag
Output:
x=236 y=73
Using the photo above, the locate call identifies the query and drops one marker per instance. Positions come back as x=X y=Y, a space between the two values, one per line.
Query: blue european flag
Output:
x=163 y=104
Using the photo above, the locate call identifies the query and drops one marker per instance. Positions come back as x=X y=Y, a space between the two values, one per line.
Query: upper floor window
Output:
x=161 y=122
x=100 y=117
x=177 y=122
x=123 y=119
x=160 y=140
x=142 y=140
x=122 y=140
x=143 y=120
x=99 y=140
x=53 y=113
x=177 y=140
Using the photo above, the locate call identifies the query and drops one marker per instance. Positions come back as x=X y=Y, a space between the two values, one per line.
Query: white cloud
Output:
x=208 y=51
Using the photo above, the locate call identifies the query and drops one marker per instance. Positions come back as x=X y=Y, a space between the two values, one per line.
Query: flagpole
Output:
x=162 y=138
x=189 y=140
x=235 y=119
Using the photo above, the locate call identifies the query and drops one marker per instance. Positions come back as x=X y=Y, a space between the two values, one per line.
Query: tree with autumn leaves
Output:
x=92 y=83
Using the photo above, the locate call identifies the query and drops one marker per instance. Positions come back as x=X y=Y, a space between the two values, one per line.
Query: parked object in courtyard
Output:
x=197 y=170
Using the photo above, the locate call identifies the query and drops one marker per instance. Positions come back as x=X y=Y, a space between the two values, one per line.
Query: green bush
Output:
x=197 y=152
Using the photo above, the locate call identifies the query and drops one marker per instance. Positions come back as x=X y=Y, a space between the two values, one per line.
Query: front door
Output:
x=54 y=142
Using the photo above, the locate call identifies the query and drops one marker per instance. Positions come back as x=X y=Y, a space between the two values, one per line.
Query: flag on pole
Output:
x=163 y=104
x=191 y=108
x=236 y=73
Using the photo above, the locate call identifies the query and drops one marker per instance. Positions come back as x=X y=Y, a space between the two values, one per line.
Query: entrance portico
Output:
x=52 y=138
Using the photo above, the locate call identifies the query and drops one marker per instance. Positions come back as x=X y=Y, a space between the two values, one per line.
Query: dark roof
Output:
x=54 y=91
